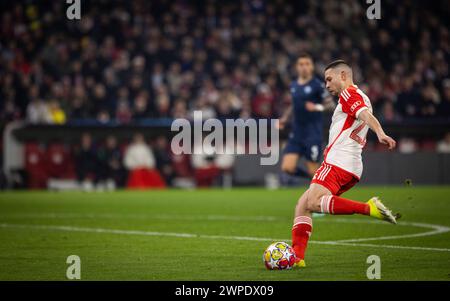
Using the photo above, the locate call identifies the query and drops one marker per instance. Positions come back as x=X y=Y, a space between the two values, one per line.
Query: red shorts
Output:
x=334 y=178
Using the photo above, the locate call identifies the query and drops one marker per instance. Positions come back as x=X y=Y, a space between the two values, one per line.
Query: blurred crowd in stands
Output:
x=107 y=164
x=128 y=60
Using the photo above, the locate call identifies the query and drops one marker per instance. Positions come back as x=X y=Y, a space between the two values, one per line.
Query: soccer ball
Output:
x=279 y=256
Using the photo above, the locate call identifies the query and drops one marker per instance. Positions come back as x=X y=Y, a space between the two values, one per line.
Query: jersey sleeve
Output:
x=352 y=103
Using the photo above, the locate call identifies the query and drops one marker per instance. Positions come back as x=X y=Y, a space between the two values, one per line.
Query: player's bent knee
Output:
x=312 y=168
x=303 y=199
x=313 y=202
x=288 y=168
x=289 y=163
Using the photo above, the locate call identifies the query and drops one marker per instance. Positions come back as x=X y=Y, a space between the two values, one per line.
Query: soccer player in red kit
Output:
x=342 y=166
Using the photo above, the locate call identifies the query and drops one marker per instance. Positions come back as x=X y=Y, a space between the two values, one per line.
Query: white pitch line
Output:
x=437 y=229
x=338 y=243
x=190 y=235
x=256 y=218
x=130 y=232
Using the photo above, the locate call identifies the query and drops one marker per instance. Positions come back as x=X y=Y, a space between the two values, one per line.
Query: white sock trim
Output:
x=325 y=203
x=302 y=220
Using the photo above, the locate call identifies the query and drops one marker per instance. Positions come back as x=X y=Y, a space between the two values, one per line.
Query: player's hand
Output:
x=385 y=139
x=310 y=106
x=280 y=124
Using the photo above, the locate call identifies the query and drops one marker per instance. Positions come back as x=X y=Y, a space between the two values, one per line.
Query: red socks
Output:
x=301 y=231
x=333 y=204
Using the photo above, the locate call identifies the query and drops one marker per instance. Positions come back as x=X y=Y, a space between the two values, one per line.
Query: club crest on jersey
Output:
x=307 y=89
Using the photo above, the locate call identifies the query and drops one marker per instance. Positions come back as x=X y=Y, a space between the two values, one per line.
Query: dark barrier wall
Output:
x=379 y=168
x=419 y=129
x=421 y=168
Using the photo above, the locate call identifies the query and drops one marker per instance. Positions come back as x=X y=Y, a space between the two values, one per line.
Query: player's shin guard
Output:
x=301 y=231
x=332 y=204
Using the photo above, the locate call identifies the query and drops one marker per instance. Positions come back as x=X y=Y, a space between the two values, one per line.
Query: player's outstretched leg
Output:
x=319 y=199
x=332 y=204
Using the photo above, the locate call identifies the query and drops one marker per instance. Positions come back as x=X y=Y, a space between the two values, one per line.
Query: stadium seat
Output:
x=205 y=177
x=35 y=166
x=58 y=162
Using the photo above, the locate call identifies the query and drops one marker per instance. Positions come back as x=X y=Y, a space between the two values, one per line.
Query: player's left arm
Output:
x=313 y=107
x=327 y=100
x=323 y=103
x=374 y=125
x=328 y=103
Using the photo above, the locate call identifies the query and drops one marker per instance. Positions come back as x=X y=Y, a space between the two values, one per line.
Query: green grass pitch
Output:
x=216 y=235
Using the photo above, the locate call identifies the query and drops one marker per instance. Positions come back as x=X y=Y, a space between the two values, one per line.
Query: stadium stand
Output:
x=130 y=61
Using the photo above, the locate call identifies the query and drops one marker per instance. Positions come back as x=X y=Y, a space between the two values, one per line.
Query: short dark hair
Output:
x=304 y=55
x=335 y=64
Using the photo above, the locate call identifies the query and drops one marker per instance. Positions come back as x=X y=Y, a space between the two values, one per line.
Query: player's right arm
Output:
x=354 y=105
x=375 y=126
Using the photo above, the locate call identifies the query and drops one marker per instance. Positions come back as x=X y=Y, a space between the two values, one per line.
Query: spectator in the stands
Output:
x=141 y=108
x=202 y=105
x=443 y=146
x=162 y=103
x=163 y=158
x=229 y=60
x=407 y=145
x=9 y=111
x=179 y=109
x=103 y=116
x=203 y=162
x=430 y=101
x=140 y=163
x=388 y=113
x=86 y=166
x=263 y=102
x=123 y=113
x=99 y=99
x=38 y=112
x=444 y=106
x=210 y=164
x=79 y=103
x=225 y=162
x=408 y=99
x=228 y=106
x=57 y=115
x=111 y=169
